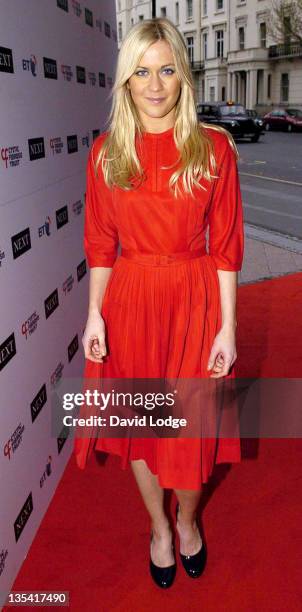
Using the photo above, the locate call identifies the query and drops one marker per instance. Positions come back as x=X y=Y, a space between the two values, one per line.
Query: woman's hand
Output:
x=93 y=339
x=223 y=353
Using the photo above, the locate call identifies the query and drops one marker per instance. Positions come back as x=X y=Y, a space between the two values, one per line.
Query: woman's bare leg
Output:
x=190 y=539
x=153 y=497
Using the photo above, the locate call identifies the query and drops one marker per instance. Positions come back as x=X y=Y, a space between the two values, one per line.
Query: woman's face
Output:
x=155 y=87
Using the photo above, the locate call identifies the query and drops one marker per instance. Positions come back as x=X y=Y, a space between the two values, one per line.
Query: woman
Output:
x=165 y=307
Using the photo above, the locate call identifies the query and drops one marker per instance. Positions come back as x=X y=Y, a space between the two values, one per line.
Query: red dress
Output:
x=161 y=317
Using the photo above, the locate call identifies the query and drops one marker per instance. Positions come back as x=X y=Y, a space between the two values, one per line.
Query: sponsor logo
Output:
x=56 y=375
x=88 y=17
x=3 y=556
x=23 y=516
x=51 y=303
x=76 y=8
x=6 y=60
x=50 y=68
x=61 y=216
x=107 y=29
x=7 y=350
x=2 y=256
x=72 y=144
x=81 y=74
x=73 y=347
x=46 y=472
x=63 y=4
x=21 y=243
x=68 y=284
x=77 y=207
x=67 y=72
x=14 y=441
x=38 y=402
x=36 y=148
x=30 y=326
x=102 y=79
x=85 y=140
x=62 y=438
x=11 y=156
x=81 y=270
x=56 y=145
x=45 y=228
x=30 y=65
x=92 y=78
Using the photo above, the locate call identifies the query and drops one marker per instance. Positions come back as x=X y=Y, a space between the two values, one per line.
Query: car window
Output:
x=234 y=109
x=294 y=112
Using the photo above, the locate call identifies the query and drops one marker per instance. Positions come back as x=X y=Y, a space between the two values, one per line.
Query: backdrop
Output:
x=57 y=64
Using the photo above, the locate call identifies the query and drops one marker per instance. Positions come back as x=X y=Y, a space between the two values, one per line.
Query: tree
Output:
x=285 y=23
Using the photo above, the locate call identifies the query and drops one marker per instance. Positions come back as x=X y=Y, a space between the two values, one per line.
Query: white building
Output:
x=231 y=55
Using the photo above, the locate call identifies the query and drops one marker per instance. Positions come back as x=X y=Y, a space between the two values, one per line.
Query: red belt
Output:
x=162 y=259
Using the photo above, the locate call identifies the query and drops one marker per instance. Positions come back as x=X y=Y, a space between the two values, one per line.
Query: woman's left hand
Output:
x=223 y=353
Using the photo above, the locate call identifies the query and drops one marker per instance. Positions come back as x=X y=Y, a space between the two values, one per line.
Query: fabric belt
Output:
x=162 y=259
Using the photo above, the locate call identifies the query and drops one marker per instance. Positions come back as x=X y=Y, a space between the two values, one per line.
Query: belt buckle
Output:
x=163 y=259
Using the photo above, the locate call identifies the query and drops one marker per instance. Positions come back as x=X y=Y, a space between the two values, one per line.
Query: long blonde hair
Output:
x=117 y=154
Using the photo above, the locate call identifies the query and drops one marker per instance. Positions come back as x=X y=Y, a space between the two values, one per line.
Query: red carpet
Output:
x=94 y=539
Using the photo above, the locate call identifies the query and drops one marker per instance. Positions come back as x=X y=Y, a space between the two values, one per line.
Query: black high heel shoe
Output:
x=162 y=576
x=194 y=564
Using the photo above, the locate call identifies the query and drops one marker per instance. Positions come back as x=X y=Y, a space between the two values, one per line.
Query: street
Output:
x=271 y=182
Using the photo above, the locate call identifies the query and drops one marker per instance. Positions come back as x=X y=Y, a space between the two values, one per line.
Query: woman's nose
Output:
x=155 y=82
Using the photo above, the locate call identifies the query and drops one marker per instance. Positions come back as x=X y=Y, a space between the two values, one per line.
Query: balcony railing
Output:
x=285 y=50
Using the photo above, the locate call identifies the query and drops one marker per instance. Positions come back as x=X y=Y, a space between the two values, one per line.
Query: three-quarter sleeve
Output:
x=100 y=233
x=225 y=216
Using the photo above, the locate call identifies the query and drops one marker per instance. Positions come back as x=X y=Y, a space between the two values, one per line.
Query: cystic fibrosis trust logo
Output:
x=11 y=156
x=14 y=441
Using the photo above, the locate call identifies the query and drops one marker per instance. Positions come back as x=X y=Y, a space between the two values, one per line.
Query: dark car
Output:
x=287 y=119
x=233 y=117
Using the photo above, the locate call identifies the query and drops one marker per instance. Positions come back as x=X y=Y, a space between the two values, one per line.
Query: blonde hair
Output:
x=117 y=154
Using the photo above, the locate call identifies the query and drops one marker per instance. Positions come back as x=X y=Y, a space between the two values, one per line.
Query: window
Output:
x=190 y=47
x=223 y=94
x=205 y=7
x=212 y=93
x=141 y=17
x=219 y=5
x=176 y=12
x=219 y=43
x=107 y=29
x=284 y=87
x=189 y=9
x=205 y=46
x=120 y=31
x=163 y=11
x=241 y=37
x=287 y=29
x=269 y=85
x=263 y=34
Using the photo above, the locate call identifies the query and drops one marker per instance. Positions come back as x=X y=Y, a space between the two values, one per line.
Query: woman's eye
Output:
x=167 y=70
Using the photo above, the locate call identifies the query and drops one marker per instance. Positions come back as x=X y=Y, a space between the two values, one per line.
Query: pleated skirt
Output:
x=161 y=322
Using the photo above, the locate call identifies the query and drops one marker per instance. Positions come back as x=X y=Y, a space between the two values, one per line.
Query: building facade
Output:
x=231 y=54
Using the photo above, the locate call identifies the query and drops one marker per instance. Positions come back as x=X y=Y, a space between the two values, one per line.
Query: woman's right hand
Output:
x=93 y=339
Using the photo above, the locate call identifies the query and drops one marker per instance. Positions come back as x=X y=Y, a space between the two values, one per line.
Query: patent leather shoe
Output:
x=194 y=564
x=162 y=576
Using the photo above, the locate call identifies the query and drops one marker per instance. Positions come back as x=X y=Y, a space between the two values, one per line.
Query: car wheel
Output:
x=289 y=128
x=267 y=127
x=255 y=138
